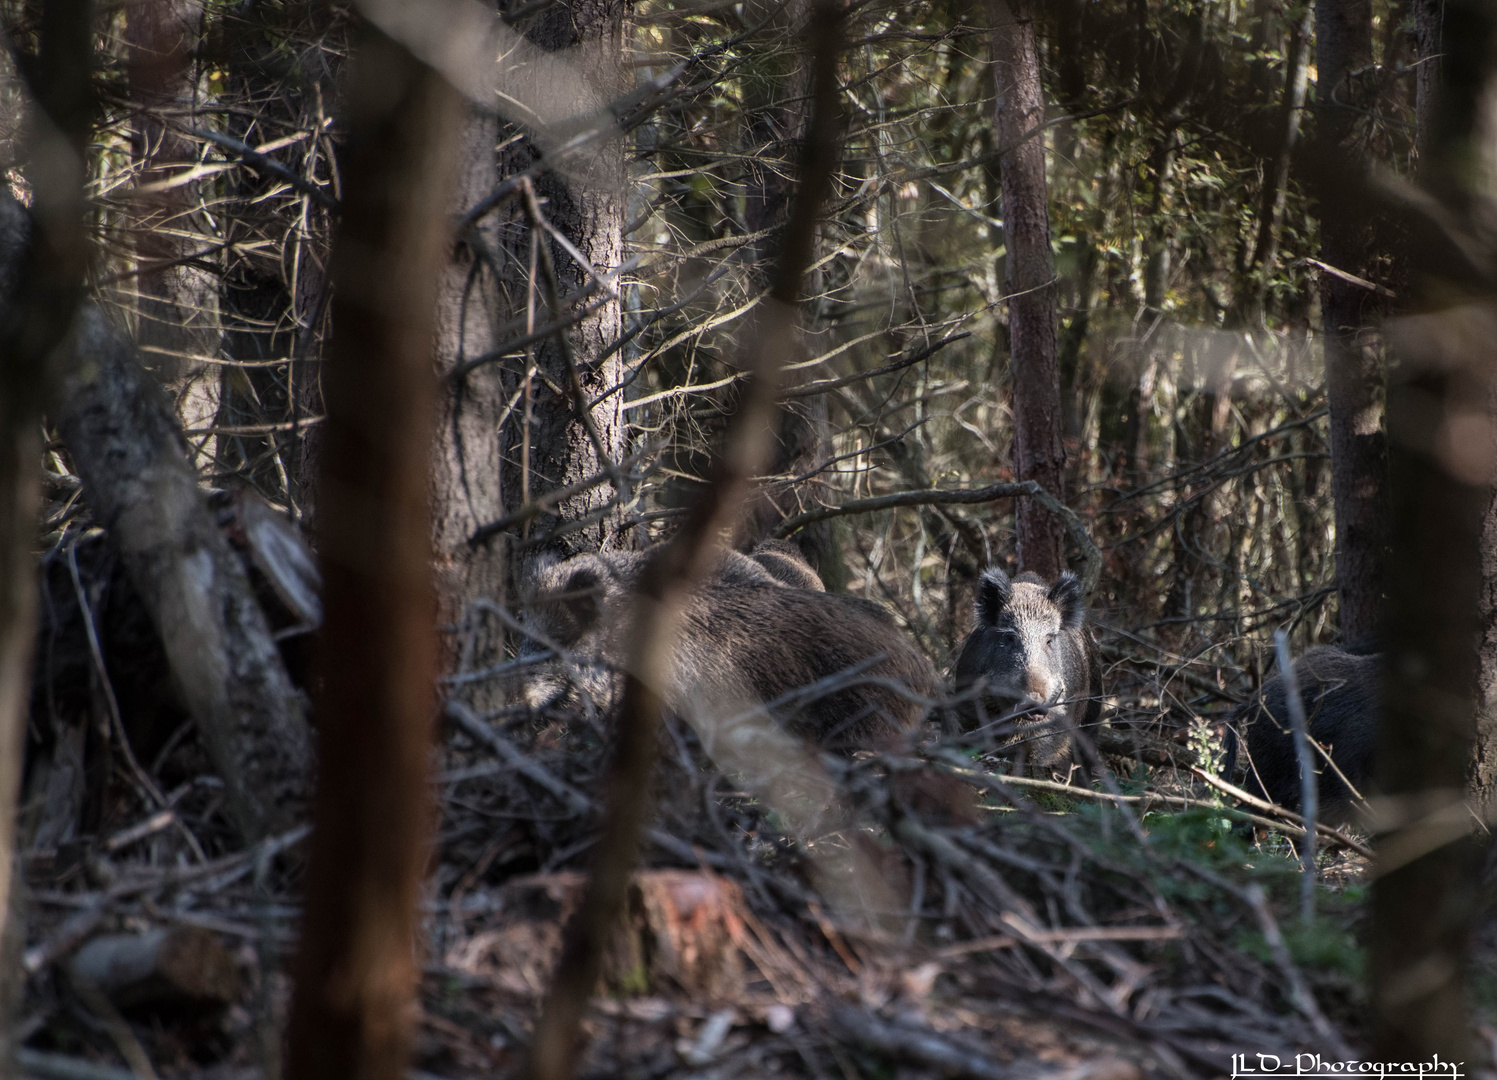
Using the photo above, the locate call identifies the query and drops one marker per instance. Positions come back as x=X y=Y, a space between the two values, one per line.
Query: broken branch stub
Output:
x=129 y=452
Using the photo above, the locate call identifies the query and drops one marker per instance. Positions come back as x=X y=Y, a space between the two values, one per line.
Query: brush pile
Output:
x=902 y=914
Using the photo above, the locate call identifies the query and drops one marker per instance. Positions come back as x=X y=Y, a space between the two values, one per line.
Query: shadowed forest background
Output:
x=328 y=324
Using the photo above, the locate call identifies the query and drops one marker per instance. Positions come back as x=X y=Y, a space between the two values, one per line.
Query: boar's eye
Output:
x=1050 y=640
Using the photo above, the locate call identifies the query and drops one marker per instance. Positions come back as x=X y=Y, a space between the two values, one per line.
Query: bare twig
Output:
x=1280 y=811
x=268 y=165
x=1308 y=780
x=1091 y=557
x=471 y=726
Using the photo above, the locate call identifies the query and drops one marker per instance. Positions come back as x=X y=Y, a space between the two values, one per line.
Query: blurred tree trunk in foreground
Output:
x=178 y=330
x=1441 y=448
x=1353 y=360
x=43 y=263
x=1029 y=279
x=803 y=439
x=355 y=973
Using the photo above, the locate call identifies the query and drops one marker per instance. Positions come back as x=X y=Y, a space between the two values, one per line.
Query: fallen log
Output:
x=182 y=968
x=130 y=453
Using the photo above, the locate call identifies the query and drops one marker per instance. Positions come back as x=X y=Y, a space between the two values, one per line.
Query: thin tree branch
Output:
x=1091 y=557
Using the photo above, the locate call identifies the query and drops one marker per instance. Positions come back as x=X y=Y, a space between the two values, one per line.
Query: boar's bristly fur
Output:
x=1341 y=694
x=745 y=639
x=1036 y=660
x=786 y=562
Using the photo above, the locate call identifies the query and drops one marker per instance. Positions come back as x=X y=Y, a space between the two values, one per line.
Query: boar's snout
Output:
x=1041 y=687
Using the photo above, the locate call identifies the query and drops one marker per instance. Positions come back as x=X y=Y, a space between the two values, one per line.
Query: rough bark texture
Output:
x=352 y=1011
x=178 y=332
x=129 y=452
x=1483 y=770
x=588 y=208
x=1353 y=356
x=508 y=430
x=467 y=451
x=1029 y=280
x=1428 y=16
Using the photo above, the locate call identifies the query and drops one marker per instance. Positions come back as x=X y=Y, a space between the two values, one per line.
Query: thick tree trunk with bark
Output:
x=1353 y=360
x=178 y=333
x=548 y=445
x=22 y=395
x=356 y=973
x=467 y=448
x=509 y=429
x=1482 y=778
x=1029 y=279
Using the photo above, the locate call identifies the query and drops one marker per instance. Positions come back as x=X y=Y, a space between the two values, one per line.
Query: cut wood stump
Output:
x=182 y=968
x=686 y=929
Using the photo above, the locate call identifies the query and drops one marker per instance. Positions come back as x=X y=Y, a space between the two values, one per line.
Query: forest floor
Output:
x=936 y=910
x=942 y=921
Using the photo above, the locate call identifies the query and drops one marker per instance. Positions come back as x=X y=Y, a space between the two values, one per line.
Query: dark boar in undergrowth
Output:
x=746 y=639
x=1341 y=695
x=1036 y=661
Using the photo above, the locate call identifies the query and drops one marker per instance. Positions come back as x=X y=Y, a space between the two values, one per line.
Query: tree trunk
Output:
x=1423 y=904
x=509 y=429
x=178 y=332
x=22 y=396
x=1260 y=267
x=1440 y=591
x=1483 y=772
x=804 y=436
x=1428 y=17
x=467 y=451
x=1029 y=279
x=43 y=265
x=548 y=444
x=1353 y=361
x=353 y=1007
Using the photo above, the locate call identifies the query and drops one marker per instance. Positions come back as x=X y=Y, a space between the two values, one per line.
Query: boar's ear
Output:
x=578 y=606
x=993 y=591
x=1066 y=595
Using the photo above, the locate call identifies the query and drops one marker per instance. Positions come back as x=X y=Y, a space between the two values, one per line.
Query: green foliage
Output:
x=1327 y=945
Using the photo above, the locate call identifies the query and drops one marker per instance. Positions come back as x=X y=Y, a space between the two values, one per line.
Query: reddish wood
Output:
x=1029 y=280
x=352 y=1010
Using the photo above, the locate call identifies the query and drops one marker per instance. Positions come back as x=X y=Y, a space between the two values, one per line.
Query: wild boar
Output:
x=1036 y=660
x=746 y=639
x=1341 y=695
